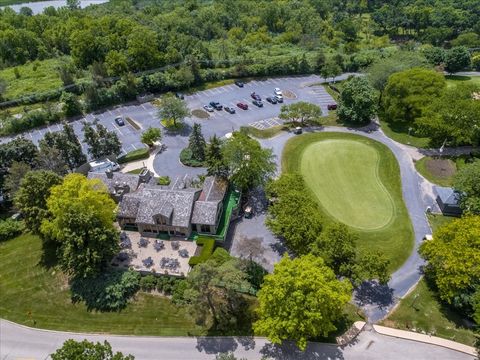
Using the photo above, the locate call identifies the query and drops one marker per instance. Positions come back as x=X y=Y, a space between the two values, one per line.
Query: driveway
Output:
x=18 y=342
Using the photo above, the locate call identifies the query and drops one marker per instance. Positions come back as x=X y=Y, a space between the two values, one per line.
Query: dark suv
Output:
x=332 y=106
x=272 y=100
x=216 y=105
x=239 y=83
x=258 y=103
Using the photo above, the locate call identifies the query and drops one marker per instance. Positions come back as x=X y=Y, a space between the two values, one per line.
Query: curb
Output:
x=427 y=339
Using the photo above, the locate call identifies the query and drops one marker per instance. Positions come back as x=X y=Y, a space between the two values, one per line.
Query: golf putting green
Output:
x=344 y=175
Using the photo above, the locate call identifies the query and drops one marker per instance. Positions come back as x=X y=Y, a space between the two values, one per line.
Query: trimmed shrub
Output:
x=108 y=292
x=163 y=180
x=137 y=154
x=187 y=160
x=9 y=229
x=166 y=284
x=148 y=283
x=178 y=292
x=207 y=245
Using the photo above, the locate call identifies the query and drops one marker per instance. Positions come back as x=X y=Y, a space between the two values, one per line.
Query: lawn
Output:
x=437 y=220
x=31 y=292
x=453 y=80
x=356 y=181
x=421 y=311
x=264 y=133
x=437 y=171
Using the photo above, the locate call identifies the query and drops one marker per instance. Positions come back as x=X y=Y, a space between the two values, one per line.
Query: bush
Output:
x=166 y=284
x=30 y=120
x=178 y=292
x=187 y=160
x=148 y=283
x=108 y=292
x=163 y=180
x=9 y=229
x=134 y=155
x=207 y=245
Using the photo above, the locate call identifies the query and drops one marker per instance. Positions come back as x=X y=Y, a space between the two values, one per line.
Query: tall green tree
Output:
x=330 y=69
x=86 y=350
x=358 y=101
x=409 y=92
x=301 y=300
x=457 y=59
x=100 y=141
x=248 y=163
x=467 y=183
x=196 y=143
x=31 y=197
x=293 y=215
x=301 y=112
x=81 y=223
x=71 y=105
x=452 y=260
x=151 y=136
x=173 y=109
x=67 y=143
x=50 y=158
x=16 y=173
x=214 y=158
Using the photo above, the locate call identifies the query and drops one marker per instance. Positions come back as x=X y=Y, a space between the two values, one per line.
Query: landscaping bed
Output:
x=365 y=193
x=134 y=155
x=187 y=160
x=201 y=114
x=439 y=171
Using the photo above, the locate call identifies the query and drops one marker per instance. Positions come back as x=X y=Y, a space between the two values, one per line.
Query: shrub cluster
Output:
x=163 y=180
x=187 y=159
x=207 y=245
x=109 y=291
x=9 y=229
x=137 y=154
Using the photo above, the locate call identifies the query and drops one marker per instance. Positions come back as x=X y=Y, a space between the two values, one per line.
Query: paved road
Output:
x=18 y=342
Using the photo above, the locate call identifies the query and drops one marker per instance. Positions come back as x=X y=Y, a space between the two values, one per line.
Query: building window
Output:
x=204 y=228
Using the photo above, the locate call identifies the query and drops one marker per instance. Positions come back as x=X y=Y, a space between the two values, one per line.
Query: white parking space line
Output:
x=117 y=128
x=133 y=146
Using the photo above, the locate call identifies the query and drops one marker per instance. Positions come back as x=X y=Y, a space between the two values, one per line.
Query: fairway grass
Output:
x=356 y=181
x=33 y=295
x=364 y=203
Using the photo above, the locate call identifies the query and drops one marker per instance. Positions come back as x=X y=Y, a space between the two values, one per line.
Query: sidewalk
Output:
x=148 y=163
x=409 y=335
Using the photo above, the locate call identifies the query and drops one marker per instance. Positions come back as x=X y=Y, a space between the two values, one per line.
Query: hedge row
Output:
x=207 y=245
x=137 y=154
x=9 y=229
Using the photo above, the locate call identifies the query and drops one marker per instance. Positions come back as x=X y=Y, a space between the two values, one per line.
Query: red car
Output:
x=255 y=96
x=332 y=106
x=242 y=106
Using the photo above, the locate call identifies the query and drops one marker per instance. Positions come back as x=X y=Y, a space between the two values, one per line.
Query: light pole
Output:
x=414 y=299
x=409 y=131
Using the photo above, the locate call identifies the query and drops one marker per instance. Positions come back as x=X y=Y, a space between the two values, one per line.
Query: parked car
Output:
x=208 y=108
x=239 y=83
x=332 y=106
x=258 y=103
x=277 y=92
x=272 y=100
x=255 y=96
x=298 y=130
x=179 y=96
x=278 y=98
x=229 y=109
x=216 y=105
x=119 y=120
x=242 y=106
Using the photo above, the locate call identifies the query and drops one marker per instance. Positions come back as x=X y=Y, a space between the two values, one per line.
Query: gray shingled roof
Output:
x=213 y=192
x=117 y=177
x=150 y=201
x=448 y=195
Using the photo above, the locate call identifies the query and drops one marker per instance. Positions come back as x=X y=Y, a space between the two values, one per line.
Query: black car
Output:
x=229 y=109
x=239 y=83
x=179 y=96
x=258 y=103
x=216 y=105
x=272 y=100
x=119 y=121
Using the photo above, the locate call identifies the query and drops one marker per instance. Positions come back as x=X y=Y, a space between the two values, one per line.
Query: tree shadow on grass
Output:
x=49 y=258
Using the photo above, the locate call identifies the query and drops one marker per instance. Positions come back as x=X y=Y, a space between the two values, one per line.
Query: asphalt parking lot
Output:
x=219 y=122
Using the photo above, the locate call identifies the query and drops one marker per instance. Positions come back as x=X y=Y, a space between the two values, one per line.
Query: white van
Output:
x=103 y=165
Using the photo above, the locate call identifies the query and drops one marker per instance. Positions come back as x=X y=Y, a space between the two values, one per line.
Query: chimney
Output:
x=109 y=173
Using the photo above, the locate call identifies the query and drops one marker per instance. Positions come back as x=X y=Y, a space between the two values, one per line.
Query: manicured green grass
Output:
x=437 y=220
x=31 y=292
x=134 y=155
x=453 y=80
x=362 y=190
x=135 y=171
x=398 y=131
x=421 y=311
x=437 y=171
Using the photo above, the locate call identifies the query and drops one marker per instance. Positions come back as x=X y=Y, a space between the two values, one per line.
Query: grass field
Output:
x=453 y=80
x=437 y=171
x=30 y=292
x=422 y=311
x=357 y=181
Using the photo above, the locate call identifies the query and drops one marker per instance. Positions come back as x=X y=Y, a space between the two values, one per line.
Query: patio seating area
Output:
x=168 y=257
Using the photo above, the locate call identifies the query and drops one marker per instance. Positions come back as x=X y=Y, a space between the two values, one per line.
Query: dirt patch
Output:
x=441 y=168
x=288 y=94
x=201 y=114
